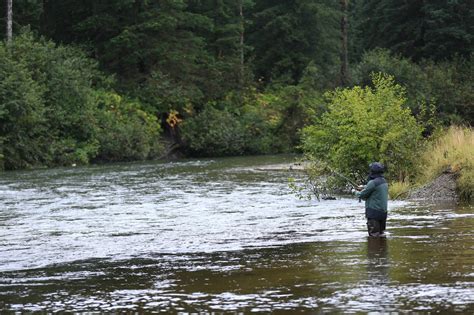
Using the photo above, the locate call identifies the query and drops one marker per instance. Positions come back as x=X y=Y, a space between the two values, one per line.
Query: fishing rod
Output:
x=326 y=165
x=334 y=172
x=353 y=184
x=348 y=180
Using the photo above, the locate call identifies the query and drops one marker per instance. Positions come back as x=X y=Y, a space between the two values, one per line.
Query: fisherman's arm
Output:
x=365 y=193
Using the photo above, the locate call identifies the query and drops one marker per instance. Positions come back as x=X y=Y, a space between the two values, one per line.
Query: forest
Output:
x=123 y=80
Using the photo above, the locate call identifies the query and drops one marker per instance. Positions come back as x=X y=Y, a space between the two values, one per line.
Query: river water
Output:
x=220 y=236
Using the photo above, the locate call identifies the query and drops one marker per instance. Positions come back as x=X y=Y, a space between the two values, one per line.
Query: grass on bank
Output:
x=399 y=190
x=452 y=152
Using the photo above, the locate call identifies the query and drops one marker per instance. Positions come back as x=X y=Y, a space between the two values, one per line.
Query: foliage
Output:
x=274 y=118
x=363 y=125
x=127 y=133
x=404 y=71
x=287 y=36
x=52 y=111
x=419 y=97
x=214 y=132
x=453 y=151
x=54 y=119
x=258 y=77
x=261 y=119
x=442 y=90
x=438 y=29
x=266 y=123
x=450 y=83
x=22 y=122
x=161 y=93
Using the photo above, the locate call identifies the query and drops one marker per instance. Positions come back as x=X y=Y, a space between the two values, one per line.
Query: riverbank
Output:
x=443 y=188
x=446 y=169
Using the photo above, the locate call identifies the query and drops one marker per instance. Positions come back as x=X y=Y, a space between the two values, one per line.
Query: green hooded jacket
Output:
x=375 y=195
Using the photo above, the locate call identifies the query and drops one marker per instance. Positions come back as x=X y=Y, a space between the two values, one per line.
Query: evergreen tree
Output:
x=344 y=58
x=151 y=46
x=225 y=42
x=416 y=28
x=450 y=29
x=288 y=35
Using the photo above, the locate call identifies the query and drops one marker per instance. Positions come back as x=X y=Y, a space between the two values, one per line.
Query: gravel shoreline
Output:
x=443 y=188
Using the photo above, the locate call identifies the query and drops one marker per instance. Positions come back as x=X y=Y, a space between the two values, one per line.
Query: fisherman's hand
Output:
x=360 y=187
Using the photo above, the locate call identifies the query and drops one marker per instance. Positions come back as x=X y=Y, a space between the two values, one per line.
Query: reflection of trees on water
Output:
x=377 y=260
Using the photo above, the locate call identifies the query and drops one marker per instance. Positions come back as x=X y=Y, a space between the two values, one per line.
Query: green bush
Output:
x=451 y=83
x=262 y=118
x=214 y=132
x=126 y=132
x=446 y=85
x=257 y=123
x=267 y=123
x=403 y=70
x=52 y=88
x=22 y=116
x=56 y=108
x=274 y=119
x=363 y=125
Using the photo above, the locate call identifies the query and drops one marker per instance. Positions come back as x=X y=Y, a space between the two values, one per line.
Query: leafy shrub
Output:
x=267 y=123
x=161 y=93
x=275 y=118
x=451 y=83
x=254 y=122
x=56 y=108
x=363 y=125
x=290 y=107
x=262 y=118
x=214 y=132
x=126 y=132
x=22 y=121
x=448 y=84
x=403 y=70
x=52 y=88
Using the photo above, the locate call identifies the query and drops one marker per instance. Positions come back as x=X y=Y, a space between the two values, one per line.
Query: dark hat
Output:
x=376 y=168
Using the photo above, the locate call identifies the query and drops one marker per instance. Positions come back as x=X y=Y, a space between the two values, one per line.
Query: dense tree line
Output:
x=417 y=29
x=217 y=76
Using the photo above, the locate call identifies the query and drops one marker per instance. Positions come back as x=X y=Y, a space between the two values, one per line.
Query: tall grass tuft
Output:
x=399 y=190
x=452 y=152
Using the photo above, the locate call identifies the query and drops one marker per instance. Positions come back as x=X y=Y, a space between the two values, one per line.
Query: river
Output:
x=220 y=236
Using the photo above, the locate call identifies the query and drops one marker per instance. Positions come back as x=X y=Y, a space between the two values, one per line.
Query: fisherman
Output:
x=375 y=194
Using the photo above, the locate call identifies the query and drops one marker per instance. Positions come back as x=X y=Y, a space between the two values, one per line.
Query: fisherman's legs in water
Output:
x=376 y=227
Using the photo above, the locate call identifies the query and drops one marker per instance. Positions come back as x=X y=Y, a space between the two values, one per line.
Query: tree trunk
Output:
x=9 y=20
x=343 y=55
x=242 y=29
x=44 y=17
